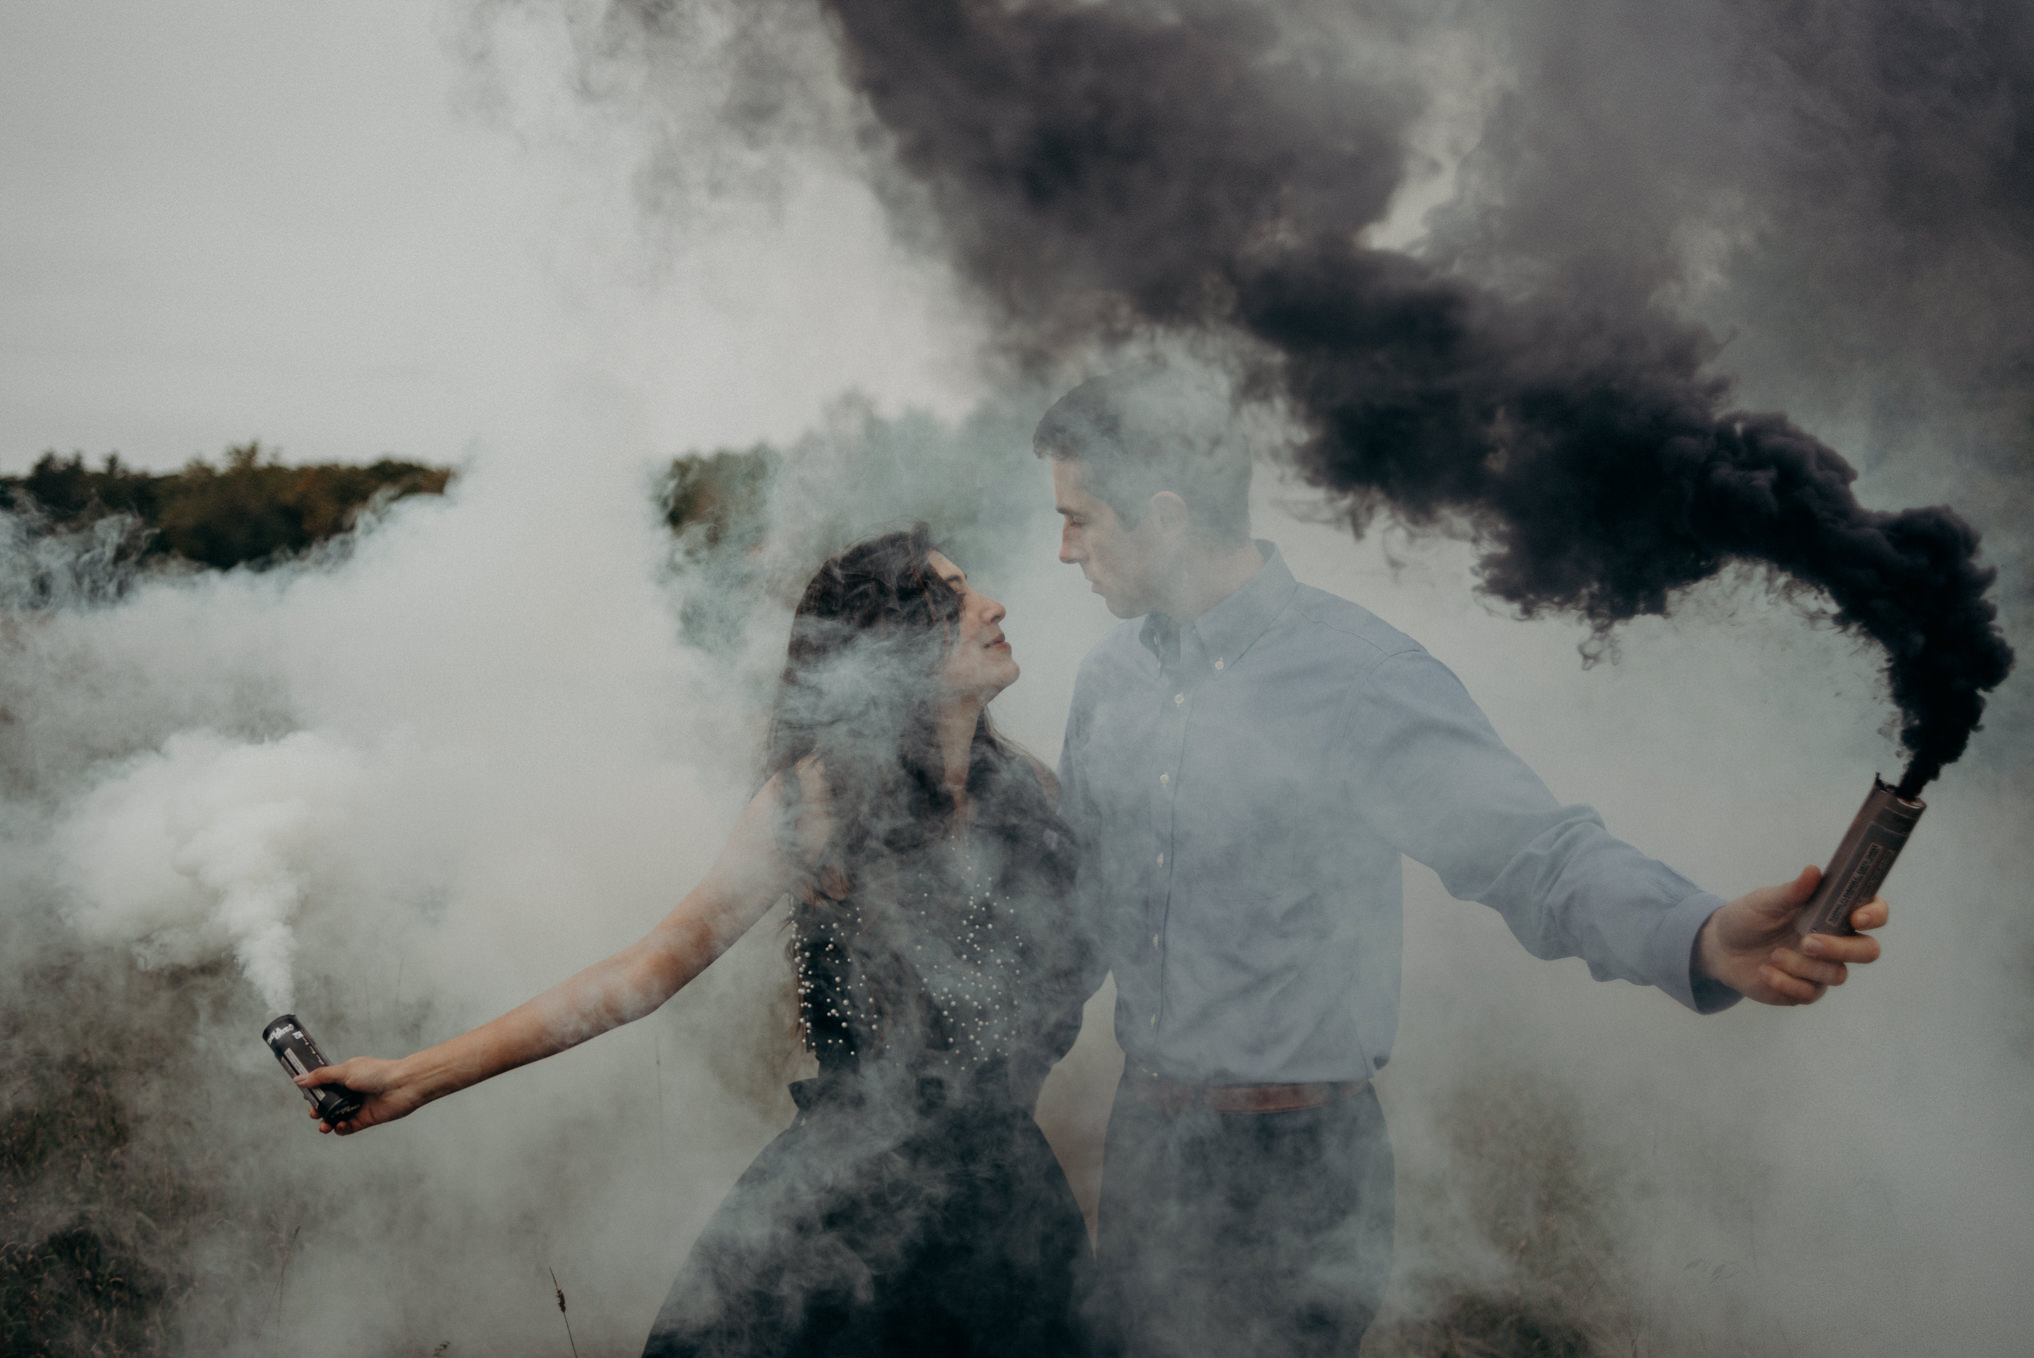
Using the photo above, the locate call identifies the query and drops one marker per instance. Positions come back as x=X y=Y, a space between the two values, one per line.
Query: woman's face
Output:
x=979 y=663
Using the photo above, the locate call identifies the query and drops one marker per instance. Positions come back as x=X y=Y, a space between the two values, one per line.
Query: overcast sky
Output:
x=294 y=220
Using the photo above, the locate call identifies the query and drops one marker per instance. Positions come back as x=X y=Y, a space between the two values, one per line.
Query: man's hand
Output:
x=1750 y=944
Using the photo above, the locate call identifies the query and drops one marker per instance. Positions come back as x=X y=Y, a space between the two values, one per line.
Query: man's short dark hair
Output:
x=1141 y=430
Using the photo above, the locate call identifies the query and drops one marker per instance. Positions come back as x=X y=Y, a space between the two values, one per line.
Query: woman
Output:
x=913 y=1206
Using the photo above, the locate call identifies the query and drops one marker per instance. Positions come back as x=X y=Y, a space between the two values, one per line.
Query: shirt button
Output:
x=1154 y=940
x=1154 y=1020
x=1178 y=699
x=1218 y=664
x=1161 y=860
x=1165 y=780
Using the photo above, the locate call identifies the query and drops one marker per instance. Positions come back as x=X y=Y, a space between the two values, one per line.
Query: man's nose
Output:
x=1068 y=553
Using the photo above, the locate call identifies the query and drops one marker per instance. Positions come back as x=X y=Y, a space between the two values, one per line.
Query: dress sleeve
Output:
x=1429 y=773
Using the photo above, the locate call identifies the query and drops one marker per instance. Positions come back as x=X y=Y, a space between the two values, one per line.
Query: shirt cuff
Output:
x=1674 y=954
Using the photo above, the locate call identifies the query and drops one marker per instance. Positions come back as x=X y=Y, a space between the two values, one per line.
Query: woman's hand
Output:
x=389 y=1093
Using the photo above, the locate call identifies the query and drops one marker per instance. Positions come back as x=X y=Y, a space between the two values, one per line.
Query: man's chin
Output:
x=1123 y=608
x=1118 y=603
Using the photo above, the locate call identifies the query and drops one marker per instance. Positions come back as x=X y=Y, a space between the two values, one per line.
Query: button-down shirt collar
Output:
x=1219 y=636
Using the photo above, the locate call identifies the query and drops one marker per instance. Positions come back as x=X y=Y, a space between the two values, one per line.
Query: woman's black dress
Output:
x=913 y=1207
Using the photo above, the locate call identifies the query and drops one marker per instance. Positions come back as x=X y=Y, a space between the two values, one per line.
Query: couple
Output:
x=1245 y=762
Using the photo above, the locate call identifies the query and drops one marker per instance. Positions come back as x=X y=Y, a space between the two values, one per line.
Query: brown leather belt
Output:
x=1171 y=1097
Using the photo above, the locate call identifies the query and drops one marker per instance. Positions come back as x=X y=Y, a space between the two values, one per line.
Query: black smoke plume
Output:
x=1111 y=168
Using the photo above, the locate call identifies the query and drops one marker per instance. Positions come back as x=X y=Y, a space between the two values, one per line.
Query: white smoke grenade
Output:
x=299 y=1055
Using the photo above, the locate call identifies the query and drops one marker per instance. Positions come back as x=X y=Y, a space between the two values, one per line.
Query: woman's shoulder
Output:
x=1048 y=781
x=802 y=800
x=1016 y=765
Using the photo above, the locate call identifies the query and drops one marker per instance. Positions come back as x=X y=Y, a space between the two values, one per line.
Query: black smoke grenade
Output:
x=1862 y=860
x=300 y=1056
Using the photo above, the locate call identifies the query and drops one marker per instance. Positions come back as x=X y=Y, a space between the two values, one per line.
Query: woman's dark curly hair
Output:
x=860 y=696
x=859 y=689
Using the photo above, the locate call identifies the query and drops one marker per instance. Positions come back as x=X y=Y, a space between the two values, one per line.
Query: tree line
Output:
x=254 y=511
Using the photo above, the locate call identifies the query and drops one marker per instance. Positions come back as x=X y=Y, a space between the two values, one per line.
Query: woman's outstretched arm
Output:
x=752 y=872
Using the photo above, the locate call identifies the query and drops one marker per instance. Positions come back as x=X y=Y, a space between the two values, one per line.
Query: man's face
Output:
x=1121 y=564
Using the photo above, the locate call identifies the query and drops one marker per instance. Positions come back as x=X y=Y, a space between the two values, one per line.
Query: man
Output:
x=1246 y=759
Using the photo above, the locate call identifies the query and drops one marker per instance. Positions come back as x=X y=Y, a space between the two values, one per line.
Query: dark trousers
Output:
x=1244 y=1234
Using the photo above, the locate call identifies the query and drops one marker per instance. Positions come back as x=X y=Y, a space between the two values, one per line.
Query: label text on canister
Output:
x=1856 y=884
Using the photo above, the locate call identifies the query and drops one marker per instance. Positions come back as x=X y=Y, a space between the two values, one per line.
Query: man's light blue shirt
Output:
x=1245 y=785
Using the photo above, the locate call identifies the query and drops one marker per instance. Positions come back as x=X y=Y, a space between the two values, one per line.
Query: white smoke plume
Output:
x=212 y=844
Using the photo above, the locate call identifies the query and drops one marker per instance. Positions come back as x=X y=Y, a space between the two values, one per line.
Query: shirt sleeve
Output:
x=1429 y=773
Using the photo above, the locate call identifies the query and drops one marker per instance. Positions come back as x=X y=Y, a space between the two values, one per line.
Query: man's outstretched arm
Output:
x=1442 y=788
x=1750 y=944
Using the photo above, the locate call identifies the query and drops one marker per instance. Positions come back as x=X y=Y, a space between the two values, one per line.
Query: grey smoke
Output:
x=1202 y=168
x=1096 y=171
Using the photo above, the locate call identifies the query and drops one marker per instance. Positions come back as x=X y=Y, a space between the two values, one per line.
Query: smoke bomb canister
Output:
x=1862 y=860
x=299 y=1056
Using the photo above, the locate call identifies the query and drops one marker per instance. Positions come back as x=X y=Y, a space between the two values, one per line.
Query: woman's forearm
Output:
x=616 y=990
x=606 y=995
x=747 y=877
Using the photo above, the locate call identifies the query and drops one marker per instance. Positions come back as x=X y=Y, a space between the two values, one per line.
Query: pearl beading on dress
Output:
x=969 y=969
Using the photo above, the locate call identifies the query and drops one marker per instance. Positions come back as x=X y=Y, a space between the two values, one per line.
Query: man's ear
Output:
x=1171 y=511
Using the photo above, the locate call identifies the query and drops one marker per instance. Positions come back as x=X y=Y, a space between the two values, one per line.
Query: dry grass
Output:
x=1507 y=1234
x=86 y=1262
